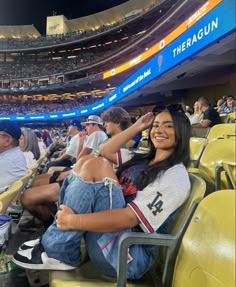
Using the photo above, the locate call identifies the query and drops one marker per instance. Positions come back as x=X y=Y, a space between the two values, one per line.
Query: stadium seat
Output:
x=200 y=132
x=7 y=197
x=224 y=118
x=41 y=159
x=207 y=253
x=197 y=146
x=231 y=117
x=86 y=275
x=214 y=154
x=226 y=130
x=230 y=168
x=14 y=208
x=25 y=179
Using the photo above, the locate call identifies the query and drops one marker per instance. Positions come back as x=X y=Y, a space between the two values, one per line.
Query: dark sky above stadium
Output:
x=26 y=12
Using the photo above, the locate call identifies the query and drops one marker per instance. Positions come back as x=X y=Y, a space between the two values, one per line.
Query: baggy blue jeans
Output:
x=102 y=248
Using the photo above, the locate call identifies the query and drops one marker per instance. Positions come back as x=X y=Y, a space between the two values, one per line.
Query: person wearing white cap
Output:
x=95 y=136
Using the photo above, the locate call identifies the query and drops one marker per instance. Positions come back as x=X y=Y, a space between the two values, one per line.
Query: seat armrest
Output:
x=171 y=241
x=201 y=173
x=129 y=238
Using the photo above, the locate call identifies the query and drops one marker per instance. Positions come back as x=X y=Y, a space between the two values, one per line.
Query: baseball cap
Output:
x=76 y=123
x=11 y=129
x=93 y=119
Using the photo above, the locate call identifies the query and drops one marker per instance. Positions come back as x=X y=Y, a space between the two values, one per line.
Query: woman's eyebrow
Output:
x=164 y=122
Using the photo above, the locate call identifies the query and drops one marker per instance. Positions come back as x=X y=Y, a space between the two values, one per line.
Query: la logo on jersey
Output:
x=156 y=205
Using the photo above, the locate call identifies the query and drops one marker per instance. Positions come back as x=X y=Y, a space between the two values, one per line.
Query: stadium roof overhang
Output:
x=202 y=69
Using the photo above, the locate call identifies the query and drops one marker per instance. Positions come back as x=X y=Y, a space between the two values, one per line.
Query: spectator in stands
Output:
x=46 y=137
x=94 y=208
x=210 y=115
x=68 y=156
x=42 y=146
x=115 y=119
x=219 y=103
x=197 y=116
x=29 y=145
x=229 y=106
x=96 y=136
x=12 y=160
x=184 y=107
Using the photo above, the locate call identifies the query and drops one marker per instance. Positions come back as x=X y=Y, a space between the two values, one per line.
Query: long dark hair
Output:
x=180 y=155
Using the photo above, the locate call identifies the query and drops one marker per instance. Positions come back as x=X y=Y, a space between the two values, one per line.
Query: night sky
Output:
x=27 y=12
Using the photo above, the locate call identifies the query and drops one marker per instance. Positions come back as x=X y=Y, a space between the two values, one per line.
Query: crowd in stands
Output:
x=11 y=70
x=21 y=69
x=203 y=111
x=37 y=107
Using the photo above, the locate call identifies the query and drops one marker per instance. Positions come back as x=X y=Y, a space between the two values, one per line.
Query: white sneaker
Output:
x=37 y=259
x=29 y=244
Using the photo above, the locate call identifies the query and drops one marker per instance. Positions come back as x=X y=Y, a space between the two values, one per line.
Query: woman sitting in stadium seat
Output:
x=95 y=207
x=29 y=145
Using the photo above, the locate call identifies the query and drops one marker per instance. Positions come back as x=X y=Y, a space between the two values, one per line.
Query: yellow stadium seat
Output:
x=40 y=160
x=87 y=276
x=7 y=197
x=143 y=143
x=197 y=146
x=230 y=168
x=214 y=154
x=231 y=117
x=226 y=130
x=25 y=179
x=207 y=253
x=199 y=132
x=224 y=118
x=15 y=204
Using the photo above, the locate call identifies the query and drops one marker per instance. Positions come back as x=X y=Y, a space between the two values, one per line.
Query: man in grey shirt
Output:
x=12 y=160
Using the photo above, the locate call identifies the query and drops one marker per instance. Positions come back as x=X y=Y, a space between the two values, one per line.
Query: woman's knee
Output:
x=96 y=169
x=82 y=160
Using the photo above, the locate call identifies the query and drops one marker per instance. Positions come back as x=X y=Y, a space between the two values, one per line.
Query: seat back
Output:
x=226 y=130
x=231 y=117
x=197 y=146
x=230 y=168
x=224 y=118
x=180 y=223
x=207 y=253
x=199 y=132
x=214 y=154
x=198 y=189
x=25 y=179
x=40 y=160
x=7 y=197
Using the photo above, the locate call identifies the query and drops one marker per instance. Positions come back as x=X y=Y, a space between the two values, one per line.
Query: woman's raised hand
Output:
x=145 y=121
